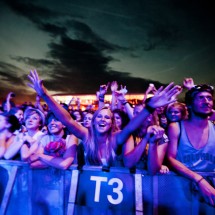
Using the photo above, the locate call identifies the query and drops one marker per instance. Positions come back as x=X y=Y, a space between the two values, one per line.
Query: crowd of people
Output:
x=158 y=134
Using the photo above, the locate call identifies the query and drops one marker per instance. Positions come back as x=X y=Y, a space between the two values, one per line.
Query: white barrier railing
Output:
x=94 y=190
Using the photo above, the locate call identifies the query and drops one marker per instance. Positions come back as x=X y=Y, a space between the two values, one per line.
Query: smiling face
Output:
x=174 y=114
x=55 y=126
x=19 y=115
x=103 y=121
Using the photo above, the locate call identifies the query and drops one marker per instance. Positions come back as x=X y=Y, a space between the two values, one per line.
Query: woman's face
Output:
x=118 y=120
x=77 y=116
x=103 y=121
x=87 y=120
x=19 y=115
x=54 y=126
x=32 y=121
x=174 y=114
x=160 y=110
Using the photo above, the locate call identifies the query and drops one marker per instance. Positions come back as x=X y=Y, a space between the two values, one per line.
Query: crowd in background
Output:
x=157 y=134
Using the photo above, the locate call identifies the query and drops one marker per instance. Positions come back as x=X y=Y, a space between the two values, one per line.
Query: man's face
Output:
x=202 y=104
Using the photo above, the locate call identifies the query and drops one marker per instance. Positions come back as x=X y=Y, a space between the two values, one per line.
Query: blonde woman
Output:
x=100 y=141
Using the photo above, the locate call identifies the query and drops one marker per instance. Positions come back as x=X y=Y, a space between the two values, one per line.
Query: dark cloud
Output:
x=83 y=57
x=8 y=74
x=53 y=29
x=83 y=32
x=79 y=55
x=84 y=67
x=33 y=12
x=34 y=62
x=14 y=80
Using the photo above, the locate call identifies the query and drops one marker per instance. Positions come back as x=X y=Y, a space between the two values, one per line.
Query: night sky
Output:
x=77 y=45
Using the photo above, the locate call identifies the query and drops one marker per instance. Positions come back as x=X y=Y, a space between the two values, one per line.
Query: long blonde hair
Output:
x=92 y=144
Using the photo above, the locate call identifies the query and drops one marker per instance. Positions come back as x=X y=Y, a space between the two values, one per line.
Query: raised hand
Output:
x=154 y=133
x=36 y=83
x=120 y=94
x=114 y=86
x=164 y=96
x=151 y=89
x=122 y=91
x=103 y=89
x=188 y=83
x=10 y=96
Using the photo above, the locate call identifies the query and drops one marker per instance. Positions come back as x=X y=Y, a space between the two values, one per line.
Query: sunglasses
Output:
x=202 y=87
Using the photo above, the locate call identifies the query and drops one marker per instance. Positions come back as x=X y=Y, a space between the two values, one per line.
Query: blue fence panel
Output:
x=105 y=192
x=24 y=191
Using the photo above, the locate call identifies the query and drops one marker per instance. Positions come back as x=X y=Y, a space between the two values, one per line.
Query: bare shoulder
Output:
x=212 y=117
x=174 y=125
x=71 y=139
x=174 y=129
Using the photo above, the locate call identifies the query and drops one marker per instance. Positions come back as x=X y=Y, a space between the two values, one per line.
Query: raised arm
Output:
x=120 y=95
x=8 y=100
x=113 y=87
x=74 y=127
x=161 y=97
x=38 y=104
x=151 y=89
x=101 y=94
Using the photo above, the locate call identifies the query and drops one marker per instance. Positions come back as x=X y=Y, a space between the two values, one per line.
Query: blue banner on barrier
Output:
x=104 y=190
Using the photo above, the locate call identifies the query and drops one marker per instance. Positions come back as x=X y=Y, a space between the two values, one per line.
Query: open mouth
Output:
x=53 y=127
x=102 y=125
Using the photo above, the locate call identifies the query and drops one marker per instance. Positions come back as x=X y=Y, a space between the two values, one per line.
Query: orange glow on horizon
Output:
x=91 y=99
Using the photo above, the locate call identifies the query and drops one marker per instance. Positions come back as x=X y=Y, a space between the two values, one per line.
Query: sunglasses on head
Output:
x=203 y=87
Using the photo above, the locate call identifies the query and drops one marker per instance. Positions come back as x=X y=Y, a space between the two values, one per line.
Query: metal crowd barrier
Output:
x=96 y=190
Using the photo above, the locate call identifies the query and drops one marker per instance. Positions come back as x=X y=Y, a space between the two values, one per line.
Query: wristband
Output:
x=101 y=98
x=149 y=108
x=124 y=102
x=199 y=180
